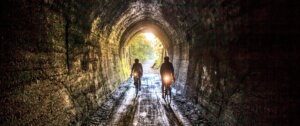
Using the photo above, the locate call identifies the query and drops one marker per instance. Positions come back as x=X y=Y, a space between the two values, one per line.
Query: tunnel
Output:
x=236 y=62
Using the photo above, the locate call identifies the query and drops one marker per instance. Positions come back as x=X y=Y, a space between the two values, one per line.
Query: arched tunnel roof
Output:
x=147 y=26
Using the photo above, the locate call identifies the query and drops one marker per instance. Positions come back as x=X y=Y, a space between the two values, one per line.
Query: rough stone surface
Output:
x=57 y=63
x=238 y=67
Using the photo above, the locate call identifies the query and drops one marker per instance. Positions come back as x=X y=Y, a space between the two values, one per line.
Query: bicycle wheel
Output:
x=168 y=94
x=136 y=84
x=163 y=91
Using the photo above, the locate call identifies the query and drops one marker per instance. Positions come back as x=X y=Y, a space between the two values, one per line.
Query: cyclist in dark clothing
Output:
x=166 y=72
x=137 y=71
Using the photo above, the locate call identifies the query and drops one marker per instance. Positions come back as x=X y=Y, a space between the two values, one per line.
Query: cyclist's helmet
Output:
x=166 y=58
x=136 y=60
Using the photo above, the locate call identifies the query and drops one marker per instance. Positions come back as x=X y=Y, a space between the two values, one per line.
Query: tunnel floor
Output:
x=148 y=108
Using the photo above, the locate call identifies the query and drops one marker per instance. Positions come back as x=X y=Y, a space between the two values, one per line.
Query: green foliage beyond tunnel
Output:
x=144 y=48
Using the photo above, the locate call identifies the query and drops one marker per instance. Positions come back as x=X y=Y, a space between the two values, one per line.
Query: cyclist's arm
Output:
x=161 y=69
x=142 y=69
x=131 y=70
x=172 y=68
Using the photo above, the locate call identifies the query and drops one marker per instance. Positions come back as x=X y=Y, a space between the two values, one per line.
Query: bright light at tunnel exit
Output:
x=149 y=36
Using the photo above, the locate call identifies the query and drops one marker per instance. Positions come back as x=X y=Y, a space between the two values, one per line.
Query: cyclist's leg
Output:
x=170 y=92
x=162 y=90
x=139 y=83
x=134 y=81
x=136 y=84
x=167 y=90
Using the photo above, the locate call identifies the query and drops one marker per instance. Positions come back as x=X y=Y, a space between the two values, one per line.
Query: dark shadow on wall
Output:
x=243 y=64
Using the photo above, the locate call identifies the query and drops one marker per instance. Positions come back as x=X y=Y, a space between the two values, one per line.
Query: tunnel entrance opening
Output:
x=174 y=46
x=140 y=36
x=146 y=47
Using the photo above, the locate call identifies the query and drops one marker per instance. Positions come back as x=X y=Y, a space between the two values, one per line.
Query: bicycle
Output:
x=137 y=82
x=167 y=89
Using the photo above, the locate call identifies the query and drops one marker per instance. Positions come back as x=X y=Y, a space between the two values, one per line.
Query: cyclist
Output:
x=137 y=71
x=167 y=74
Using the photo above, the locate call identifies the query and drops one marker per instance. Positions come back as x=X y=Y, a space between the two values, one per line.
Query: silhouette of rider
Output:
x=137 y=69
x=166 y=68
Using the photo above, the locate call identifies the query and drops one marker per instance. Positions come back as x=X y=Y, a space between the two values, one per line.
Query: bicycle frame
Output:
x=167 y=82
x=137 y=82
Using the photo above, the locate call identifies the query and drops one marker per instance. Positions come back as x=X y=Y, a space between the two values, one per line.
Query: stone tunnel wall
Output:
x=58 y=61
x=240 y=58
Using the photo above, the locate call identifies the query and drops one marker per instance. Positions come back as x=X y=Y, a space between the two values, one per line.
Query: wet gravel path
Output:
x=190 y=111
x=105 y=111
x=148 y=108
x=152 y=109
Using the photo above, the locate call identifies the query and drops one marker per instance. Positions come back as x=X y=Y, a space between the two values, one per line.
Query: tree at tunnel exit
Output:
x=159 y=54
x=141 y=48
x=159 y=51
